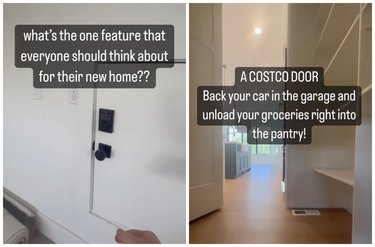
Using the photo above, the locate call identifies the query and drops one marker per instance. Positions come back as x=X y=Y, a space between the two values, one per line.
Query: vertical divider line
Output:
x=93 y=137
x=92 y=165
x=92 y=144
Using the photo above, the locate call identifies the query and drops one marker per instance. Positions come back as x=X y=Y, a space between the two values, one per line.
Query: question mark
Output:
x=140 y=74
x=147 y=73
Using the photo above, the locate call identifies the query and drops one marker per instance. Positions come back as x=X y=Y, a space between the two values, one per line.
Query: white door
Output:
x=143 y=184
x=206 y=144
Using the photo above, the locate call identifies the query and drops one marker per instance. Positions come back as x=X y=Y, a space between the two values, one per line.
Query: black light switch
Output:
x=106 y=117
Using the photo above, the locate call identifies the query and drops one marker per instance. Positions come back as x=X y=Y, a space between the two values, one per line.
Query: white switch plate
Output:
x=73 y=96
x=37 y=94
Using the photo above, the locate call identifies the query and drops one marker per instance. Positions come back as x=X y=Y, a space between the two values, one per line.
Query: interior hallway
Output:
x=254 y=212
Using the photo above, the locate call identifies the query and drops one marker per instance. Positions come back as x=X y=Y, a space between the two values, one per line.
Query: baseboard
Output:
x=57 y=232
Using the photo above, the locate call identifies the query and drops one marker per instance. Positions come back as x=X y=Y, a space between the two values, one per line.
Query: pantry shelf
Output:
x=335 y=28
x=345 y=176
x=367 y=90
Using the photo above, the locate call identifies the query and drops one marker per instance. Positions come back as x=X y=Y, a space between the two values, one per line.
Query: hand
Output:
x=136 y=237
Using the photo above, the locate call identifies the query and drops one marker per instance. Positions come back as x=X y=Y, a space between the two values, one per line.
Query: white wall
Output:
x=331 y=147
x=362 y=203
x=362 y=209
x=47 y=149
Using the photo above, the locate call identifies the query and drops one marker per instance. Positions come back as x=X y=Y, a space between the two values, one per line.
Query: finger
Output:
x=121 y=235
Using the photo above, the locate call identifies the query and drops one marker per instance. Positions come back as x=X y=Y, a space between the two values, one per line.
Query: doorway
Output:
x=254 y=206
x=253 y=35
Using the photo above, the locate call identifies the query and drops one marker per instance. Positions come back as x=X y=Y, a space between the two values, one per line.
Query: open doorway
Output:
x=254 y=35
x=254 y=208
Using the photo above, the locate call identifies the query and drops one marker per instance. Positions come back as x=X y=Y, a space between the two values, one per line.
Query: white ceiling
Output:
x=242 y=47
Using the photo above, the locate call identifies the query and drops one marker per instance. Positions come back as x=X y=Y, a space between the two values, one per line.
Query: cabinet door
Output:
x=246 y=162
x=238 y=164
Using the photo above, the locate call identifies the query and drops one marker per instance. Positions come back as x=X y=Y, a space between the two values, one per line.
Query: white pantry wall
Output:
x=331 y=146
x=47 y=143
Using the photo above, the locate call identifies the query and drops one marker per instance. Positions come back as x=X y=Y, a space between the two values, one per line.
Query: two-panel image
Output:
x=187 y=123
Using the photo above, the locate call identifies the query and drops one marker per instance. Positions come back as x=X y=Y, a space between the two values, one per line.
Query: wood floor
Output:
x=254 y=212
